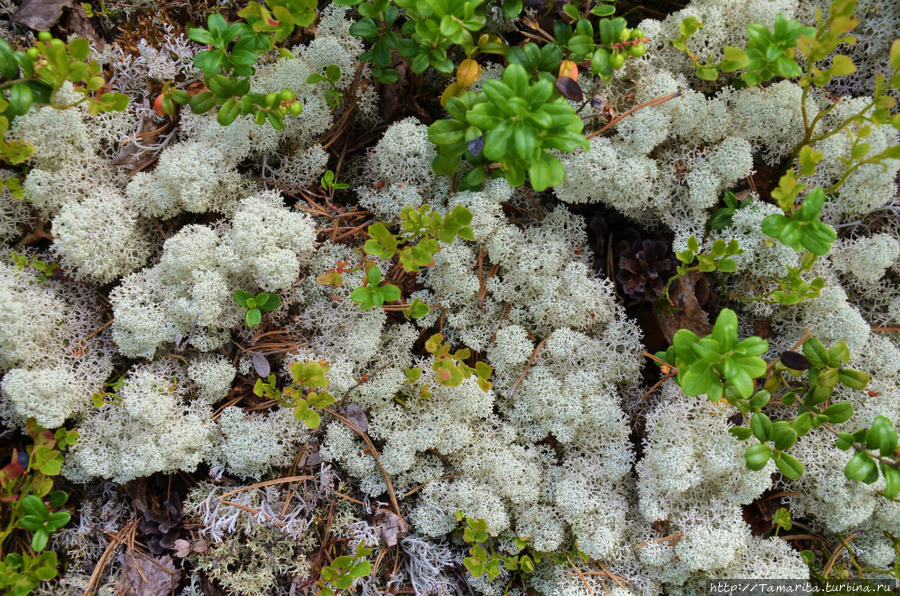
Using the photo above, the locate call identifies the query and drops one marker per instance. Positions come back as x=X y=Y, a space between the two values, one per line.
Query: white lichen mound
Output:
x=251 y=446
x=189 y=292
x=100 y=238
x=153 y=429
x=866 y=258
x=53 y=349
x=153 y=236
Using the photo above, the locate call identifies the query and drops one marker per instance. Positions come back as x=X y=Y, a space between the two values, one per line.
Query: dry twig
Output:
x=528 y=364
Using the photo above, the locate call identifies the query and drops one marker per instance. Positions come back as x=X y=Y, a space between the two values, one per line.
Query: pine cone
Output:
x=644 y=268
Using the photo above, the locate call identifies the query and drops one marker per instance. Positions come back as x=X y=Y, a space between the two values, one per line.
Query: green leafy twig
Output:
x=304 y=394
x=333 y=96
x=344 y=570
x=717 y=259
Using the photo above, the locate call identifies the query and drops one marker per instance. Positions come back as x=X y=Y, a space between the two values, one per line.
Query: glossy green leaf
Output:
x=861 y=468
x=783 y=435
x=788 y=465
x=757 y=456
x=761 y=426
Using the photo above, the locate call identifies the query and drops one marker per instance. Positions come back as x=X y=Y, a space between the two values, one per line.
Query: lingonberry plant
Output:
x=483 y=557
x=691 y=259
x=509 y=127
x=34 y=77
x=723 y=217
x=332 y=76
x=450 y=368
x=769 y=53
x=230 y=61
x=28 y=503
x=722 y=367
x=374 y=293
x=344 y=570
x=421 y=232
x=45 y=269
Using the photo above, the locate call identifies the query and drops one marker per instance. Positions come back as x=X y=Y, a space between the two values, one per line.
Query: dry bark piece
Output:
x=687 y=295
x=78 y=23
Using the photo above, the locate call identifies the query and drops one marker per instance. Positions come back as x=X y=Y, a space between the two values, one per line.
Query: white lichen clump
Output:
x=137 y=340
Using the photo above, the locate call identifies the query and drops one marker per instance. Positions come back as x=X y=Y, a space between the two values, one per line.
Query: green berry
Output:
x=637 y=33
x=287 y=95
x=57 y=44
x=45 y=36
x=33 y=53
x=271 y=98
x=637 y=50
x=296 y=108
x=623 y=36
x=617 y=59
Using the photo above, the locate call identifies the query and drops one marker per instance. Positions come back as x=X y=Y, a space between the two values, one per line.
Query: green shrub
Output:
x=512 y=123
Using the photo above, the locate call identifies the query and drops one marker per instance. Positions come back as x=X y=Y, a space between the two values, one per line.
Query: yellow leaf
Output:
x=452 y=90
x=467 y=73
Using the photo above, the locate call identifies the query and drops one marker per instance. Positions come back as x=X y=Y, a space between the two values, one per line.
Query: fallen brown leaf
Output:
x=145 y=576
x=78 y=23
x=40 y=15
x=687 y=294
x=357 y=416
x=392 y=527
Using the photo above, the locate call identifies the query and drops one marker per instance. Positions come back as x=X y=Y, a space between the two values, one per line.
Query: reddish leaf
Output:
x=569 y=89
x=795 y=361
x=13 y=469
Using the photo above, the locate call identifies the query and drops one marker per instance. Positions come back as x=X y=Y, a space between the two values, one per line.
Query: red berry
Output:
x=158 y=105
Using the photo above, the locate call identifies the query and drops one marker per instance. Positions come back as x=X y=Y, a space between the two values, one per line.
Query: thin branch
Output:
x=528 y=364
x=581 y=575
x=266 y=483
x=672 y=539
x=657 y=385
x=413 y=491
x=845 y=543
x=651 y=102
x=117 y=539
x=374 y=452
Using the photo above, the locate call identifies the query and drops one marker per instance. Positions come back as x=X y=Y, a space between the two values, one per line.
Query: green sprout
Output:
x=256 y=305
